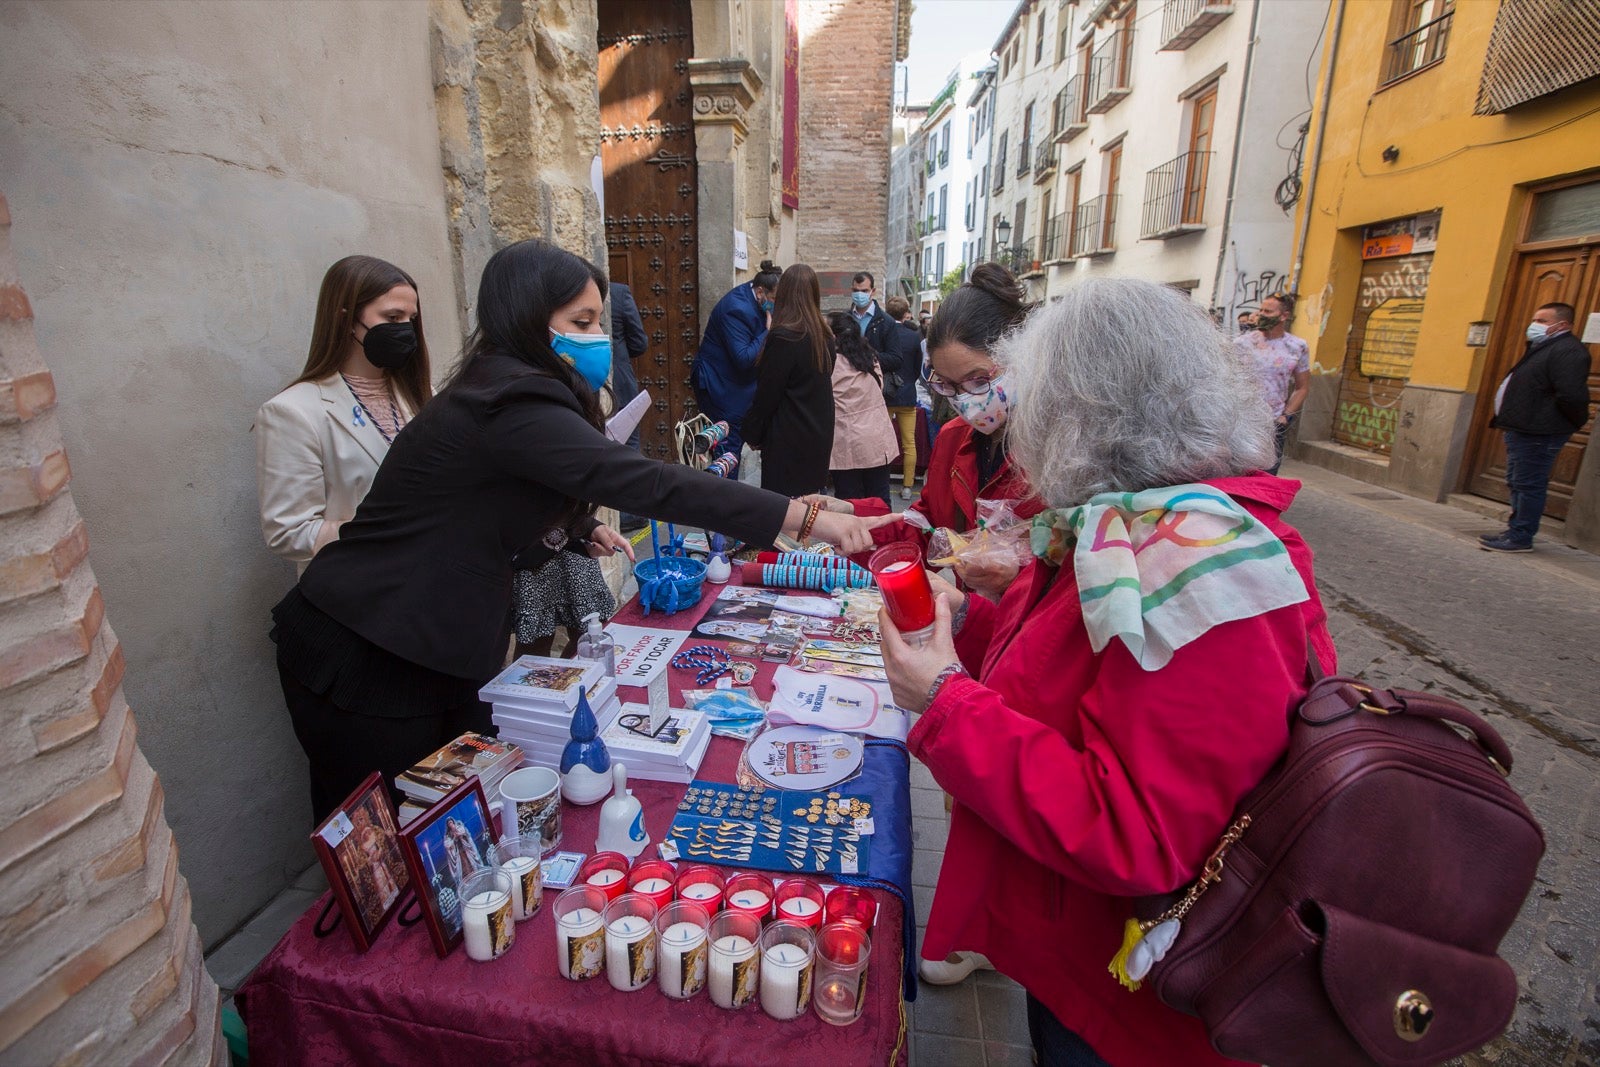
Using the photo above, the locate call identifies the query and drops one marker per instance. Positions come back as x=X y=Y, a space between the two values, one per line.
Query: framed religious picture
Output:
x=442 y=847
x=359 y=846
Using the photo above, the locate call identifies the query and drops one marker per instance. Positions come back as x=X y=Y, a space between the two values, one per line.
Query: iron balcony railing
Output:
x=1108 y=72
x=1008 y=258
x=1022 y=257
x=929 y=166
x=930 y=281
x=1044 y=161
x=944 y=158
x=1183 y=22
x=1095 y=231
x=1175 y=195
x=1070 y=117
x=1024 y=157
x=1420 y=48
x=1056 y=238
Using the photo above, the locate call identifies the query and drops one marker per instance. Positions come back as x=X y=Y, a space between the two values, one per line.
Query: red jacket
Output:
x=951 y=494
x=1082 y=780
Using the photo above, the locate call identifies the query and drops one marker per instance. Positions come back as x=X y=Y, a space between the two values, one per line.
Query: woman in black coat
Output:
x=791 y=418
x=384 y=643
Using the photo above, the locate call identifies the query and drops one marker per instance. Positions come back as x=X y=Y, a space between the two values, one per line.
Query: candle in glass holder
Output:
x=907 y=596
x=519 y=857
x=851 y=904
x=841 y=979
x=681 y=955
x=653 y=879
x=734 y=937
x=606 y=871
x=580 y=932
x=800 y=900
x=486 y=921
x=787 y=952
x=749 y=893
x=630 y=942
x=703 y=885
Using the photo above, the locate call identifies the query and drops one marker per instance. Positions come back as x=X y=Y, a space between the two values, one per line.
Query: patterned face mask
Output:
x=985 y=412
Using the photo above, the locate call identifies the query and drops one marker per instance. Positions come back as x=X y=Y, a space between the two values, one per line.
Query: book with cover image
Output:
x=631 y=733
x=468 y=756
x=542 y=681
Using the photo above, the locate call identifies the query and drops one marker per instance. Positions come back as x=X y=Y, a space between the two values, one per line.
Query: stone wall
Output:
x=847 y=55
x=99 y=961
x=185 y=173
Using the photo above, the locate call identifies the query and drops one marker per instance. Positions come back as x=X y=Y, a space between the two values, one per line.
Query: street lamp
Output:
x=1002 y=233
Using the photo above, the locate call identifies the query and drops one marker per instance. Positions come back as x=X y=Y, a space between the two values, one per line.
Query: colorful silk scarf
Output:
x=1161 y=567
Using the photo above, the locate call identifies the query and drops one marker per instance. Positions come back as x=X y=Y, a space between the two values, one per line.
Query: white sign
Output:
x=644 y=653
x=1591 y=330
x=741 y=250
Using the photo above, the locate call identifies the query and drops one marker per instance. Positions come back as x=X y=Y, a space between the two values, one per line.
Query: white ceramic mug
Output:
x=532 y=799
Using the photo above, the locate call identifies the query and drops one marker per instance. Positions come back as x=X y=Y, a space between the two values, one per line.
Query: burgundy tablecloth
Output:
x=318 y=1001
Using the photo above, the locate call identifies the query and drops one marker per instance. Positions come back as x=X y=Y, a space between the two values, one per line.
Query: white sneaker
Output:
x=905 y=492
x=944 y=972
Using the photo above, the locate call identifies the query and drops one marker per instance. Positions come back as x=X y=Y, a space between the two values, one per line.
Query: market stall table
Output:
x=318 y=1000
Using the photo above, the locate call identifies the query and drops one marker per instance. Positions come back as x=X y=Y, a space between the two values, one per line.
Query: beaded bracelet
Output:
x=938 y=682
x=711 y=662
x=812 y=511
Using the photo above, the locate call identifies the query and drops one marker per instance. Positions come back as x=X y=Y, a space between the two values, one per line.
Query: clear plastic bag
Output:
x=734 y=713
x=1001 y=539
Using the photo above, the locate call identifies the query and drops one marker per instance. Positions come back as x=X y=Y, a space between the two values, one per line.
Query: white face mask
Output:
x=1536 y=331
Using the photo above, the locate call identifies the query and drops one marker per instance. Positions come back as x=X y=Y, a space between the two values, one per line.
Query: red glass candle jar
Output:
x=607 y=872
x=907 y=596
x=851 y=904
x=800 y=900
x=653 y=879
x=750 y=894
x=702 y=884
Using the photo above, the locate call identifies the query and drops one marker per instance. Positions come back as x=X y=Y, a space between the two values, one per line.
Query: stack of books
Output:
x=672 y=754
x=535 y=697
x=469 y=756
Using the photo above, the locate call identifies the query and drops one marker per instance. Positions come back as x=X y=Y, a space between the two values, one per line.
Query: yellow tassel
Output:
x=1132 y=934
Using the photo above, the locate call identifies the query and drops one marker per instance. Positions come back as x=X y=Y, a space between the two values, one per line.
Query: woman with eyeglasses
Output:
x=970 y=460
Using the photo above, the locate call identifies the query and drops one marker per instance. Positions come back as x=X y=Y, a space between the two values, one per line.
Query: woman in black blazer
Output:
x=791 y=418
x=394 y=626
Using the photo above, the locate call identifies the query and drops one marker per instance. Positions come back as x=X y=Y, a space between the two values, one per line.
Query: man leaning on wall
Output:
x=1539 y=405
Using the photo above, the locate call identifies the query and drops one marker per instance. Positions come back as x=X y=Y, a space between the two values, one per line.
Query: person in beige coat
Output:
x=863 y=434
x=320 y=441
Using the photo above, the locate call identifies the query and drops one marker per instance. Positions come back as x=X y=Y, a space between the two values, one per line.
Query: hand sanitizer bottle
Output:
x=621 y=819
x=597 y=644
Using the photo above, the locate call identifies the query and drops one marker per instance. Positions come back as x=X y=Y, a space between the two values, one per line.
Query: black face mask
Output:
x=390 y=345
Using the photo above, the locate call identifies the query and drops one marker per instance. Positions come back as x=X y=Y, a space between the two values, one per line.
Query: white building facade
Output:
x=903 y=271
x=1119 y=130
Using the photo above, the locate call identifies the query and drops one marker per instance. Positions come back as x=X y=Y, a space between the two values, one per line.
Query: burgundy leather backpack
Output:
x=1353 y=912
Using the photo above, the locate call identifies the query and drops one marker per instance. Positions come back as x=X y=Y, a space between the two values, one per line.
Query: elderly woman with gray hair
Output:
x=1099 y=724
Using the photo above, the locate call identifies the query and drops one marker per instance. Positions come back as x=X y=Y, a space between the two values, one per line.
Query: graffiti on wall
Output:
x=1366 y=425
x=1404 y=277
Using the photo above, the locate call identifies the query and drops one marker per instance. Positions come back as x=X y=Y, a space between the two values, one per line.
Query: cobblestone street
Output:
x=1413 y=603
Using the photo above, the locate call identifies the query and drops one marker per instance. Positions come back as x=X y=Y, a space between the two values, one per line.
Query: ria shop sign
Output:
x=1401 y=237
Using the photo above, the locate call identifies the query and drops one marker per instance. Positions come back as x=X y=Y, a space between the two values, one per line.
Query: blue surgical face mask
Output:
x=1536 y=331
x=860 y=299
x=589 y=354
x=766 y=305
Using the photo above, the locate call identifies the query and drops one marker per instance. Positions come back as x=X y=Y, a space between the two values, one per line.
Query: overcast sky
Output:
x=944 y=31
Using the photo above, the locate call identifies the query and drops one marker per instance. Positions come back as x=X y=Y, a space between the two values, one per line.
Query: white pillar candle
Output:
x=487 y=925
x=683 y=960
x=785 y=981
x=630 y=952
x=699 y=891
x=580 y=943
x=608 y=877
x=527 y=889
x=799 y=908
x=732 y=967
x=751 y=900
x=650 y=885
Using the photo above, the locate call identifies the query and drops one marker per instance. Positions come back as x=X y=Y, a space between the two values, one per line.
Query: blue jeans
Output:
x=1529 y=459
x=1054 y=1044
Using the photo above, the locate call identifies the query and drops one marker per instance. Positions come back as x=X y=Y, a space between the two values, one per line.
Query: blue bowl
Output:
x=669 y=595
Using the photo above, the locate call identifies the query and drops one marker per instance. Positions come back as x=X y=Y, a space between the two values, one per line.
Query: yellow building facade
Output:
x=1451 y=186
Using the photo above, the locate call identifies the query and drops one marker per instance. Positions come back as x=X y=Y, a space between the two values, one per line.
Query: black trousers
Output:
x=861 y=483
x=344 y=747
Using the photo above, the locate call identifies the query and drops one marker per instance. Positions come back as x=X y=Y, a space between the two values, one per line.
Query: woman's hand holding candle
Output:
x=912 y=669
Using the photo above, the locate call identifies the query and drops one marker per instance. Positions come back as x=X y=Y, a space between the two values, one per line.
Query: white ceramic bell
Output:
x=621 y=819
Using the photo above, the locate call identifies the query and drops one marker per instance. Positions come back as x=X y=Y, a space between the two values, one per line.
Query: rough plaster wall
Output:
x=846 y=82
x=188 y=171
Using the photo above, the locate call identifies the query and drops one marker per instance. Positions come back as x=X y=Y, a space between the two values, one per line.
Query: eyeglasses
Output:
x=978 y=385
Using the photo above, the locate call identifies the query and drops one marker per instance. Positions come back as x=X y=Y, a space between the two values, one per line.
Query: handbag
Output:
x=1352 y=911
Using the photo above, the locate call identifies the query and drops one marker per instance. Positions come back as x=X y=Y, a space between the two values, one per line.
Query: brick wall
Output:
x=847 y=56
x=99 y=959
